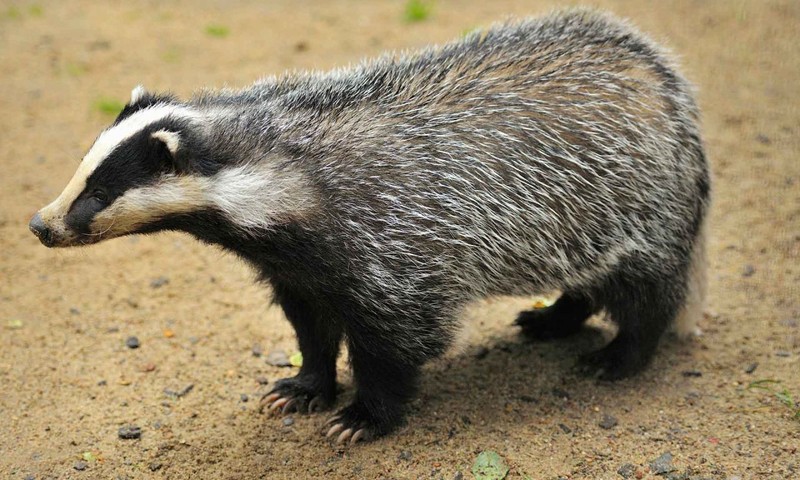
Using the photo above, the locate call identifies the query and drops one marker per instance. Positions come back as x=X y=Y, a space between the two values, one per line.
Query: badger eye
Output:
x=100 y=195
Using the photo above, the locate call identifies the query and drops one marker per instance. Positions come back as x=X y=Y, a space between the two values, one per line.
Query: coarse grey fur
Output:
x=536 y=155
x=559 y=153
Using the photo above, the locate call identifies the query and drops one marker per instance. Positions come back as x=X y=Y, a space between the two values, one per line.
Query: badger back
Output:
x=561 y=143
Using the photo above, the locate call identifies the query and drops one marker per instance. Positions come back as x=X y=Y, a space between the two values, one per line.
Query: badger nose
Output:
x=39 y=229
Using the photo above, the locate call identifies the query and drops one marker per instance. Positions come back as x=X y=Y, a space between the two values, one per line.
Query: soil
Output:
x=69 y=381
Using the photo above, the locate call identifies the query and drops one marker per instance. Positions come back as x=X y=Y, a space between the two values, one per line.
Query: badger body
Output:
x=560 y=153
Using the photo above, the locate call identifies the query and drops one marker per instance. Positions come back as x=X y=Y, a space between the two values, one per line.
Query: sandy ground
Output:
x=68 y=382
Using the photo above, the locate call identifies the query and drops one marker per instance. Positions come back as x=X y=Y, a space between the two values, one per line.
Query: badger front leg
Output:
x=385 y=382
x=314 y=387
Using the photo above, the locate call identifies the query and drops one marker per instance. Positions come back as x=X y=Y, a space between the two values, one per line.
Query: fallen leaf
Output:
x=296 y=359
x=14 y=324
x=489 y=466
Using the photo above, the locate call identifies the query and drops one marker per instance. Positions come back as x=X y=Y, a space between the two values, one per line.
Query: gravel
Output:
x=179 y=393
x=80 y=465
x=278 y=358
x=608 y=422
x=132 y=342
x=130 y=432
x=627 y=470
x=662 y=465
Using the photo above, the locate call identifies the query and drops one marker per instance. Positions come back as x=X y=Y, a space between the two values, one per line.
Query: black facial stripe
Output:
x=138 y=161
x=82 y=212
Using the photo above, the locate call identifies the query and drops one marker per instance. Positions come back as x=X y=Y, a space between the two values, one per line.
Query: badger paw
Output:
x=355 y=423
x=613 y=362
x=297 y=394
x=547 y=324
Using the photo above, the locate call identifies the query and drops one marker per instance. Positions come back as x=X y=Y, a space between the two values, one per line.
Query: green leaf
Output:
x=109 y=106
x=296 y=359
x=14 y=324
x=489 y=466
x=219 y=31
x=417 y=10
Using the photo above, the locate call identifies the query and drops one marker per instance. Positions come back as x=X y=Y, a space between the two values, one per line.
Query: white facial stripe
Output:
x=139 y=206
x=102 y=148
x=253 y=197
x=258 y=197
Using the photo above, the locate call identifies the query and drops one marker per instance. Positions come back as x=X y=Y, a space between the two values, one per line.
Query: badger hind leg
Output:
x=685 y=325
x=563 y=318
x=643 y=306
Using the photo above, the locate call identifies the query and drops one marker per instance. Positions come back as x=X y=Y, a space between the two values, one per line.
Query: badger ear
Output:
x=137 y=94
x=172 y=140
x=178 y=157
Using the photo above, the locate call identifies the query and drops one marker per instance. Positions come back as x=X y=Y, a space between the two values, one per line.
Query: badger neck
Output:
x=255 y=195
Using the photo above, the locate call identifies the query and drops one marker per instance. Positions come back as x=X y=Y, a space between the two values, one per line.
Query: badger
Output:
x=560 y=153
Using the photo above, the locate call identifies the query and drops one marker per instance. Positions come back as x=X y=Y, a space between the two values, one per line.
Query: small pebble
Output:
x=405 y=455
x=662 y=464
x=112 y=329
x=179 y=393
x=30 y=477
x=244 y=398
x=80 y=465
x=608 y=422
x=748 y=271
x=763 y=139
x=692 y=373
x=74 y=311
x=288 y=421
x=783 y=354
x=132 y=342
x=129 y=432
x=257 y=350
x=751 y=368
x=262 y=380
x=159 y=282
x=627 y=470
x=564 y=428
x=102 y=383
x=458 y=476
x=154 y=466
x=278 y=358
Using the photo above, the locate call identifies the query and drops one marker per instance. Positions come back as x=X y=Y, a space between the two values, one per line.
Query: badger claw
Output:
x=334 y=430
x=277 y=405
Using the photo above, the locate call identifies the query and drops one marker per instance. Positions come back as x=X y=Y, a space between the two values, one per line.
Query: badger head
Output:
x=140 y=170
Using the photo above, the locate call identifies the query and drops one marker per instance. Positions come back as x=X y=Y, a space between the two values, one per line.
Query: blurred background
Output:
x=723 y=406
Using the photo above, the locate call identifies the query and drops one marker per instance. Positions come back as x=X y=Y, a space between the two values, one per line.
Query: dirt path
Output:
x=68 y=382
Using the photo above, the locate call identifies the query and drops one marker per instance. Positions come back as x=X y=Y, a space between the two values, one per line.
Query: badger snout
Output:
x=41 y=230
